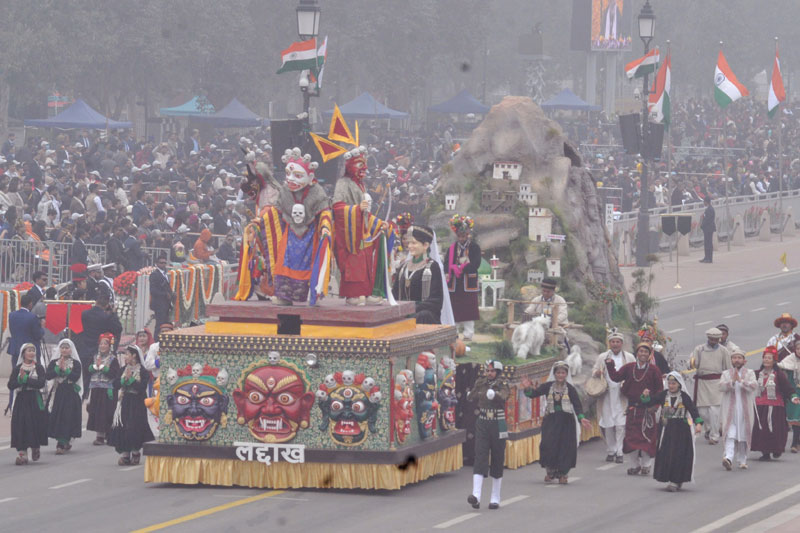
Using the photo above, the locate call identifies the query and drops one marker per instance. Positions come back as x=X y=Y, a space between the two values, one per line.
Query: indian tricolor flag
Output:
x=776 y=92
x=300 y=56
x=659 y=99
x=727 y=88
x=643 y=65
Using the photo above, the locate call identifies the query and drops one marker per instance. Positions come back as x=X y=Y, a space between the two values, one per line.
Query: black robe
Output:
x=428 y=311
x=675 y=454
x=134 y=429
x=464 y=289
x=558 y=449
x=65 y=414
x=29 y=416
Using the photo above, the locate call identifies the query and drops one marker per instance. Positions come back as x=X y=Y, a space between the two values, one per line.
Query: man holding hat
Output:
x=490 y=392
x=548 y=303
x=710 y=360
x=612 y=405
x=785 y=339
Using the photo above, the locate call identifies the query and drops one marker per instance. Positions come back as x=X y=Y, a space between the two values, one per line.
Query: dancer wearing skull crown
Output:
x=290 y=242
x=461 y=269
x=357 y=232
x=130 y=428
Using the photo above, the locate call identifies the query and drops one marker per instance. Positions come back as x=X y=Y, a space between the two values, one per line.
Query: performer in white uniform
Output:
x=612 y=405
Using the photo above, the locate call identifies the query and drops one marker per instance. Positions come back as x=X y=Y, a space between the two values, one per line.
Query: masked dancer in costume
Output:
x=29 y=414
x=563 y=417
x=461 y=270
x=640 y=424
x=774 y=391
x=675 y=454
x=739 y=387
x=65 y=414
x=490 y=392
x=420 y=279
x=103 y=372
x=791 y=365
x=131 y=428
x=357 y=231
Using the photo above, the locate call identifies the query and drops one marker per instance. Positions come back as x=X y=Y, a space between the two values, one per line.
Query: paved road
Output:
x=86 y=491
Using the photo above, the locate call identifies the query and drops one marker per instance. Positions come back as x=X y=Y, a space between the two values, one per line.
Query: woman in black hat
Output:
x=420 y=278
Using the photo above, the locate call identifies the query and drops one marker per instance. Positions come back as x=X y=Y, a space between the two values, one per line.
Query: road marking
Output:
x=783 y=303
x=606 y=467
x=4 y=500
x=210 y=511
x=515 y=499
x=703 y=323
x=77 y=481
x=773 y=521
x=675 y=330
x=757 y=309
x=4 y=448
x=753 y=352
x=127 y=468
x=454 y=521
x=732 y=316
x=747 y=510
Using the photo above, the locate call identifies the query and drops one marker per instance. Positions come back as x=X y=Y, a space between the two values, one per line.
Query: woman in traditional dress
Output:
x=102 y=389
x=675 y=453
x=558 y=449
x=420 y=278
x=461 y=270
x=130 y=428
x=144 y=339
x=791 y=365
x=65 y=415
x=774 y=390
x=29 y=416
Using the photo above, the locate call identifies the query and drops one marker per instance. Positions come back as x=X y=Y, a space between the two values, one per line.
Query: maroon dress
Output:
x=641 y=429
x=771 y=429
x=462 y=282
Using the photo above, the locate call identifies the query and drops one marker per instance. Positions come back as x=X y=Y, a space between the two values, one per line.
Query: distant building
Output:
x=507 y=170
x=527 y=196
x=540 y=224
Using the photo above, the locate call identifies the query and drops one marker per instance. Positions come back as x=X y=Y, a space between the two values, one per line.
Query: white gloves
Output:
x=490 y=394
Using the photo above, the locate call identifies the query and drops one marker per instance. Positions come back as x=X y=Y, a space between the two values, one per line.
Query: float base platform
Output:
x=333 y=469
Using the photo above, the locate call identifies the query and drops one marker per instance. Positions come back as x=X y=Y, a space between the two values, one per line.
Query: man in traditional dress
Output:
x=461 y=266
x=725 y=339
x=356 y=232
x=612 y=405
x=739 y=387
x=491 y=392
x=548 y=302
x=641 y=430
x=710 y=360
x=785 y=339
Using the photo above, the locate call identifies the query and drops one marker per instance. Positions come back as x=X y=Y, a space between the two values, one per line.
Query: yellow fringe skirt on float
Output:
x=228 y=472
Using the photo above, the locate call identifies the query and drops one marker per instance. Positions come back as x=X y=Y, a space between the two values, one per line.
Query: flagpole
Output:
x=780 y=162
x=670 y=184
x=725 y=170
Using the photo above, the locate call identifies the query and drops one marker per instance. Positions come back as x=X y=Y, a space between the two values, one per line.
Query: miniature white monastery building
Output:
x=507 y=170
x=540 y=224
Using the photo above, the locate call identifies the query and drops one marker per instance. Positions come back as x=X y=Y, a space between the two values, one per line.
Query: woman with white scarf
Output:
x=29 y=417
x=65 y=415
x=130 y=428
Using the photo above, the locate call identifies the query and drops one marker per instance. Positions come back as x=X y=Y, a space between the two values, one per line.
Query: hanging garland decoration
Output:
x=174 y=283
x=188 y=287
x=207 y=283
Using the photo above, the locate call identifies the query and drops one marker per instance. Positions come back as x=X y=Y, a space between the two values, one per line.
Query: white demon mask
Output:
x=298 y=213
x=299 y=169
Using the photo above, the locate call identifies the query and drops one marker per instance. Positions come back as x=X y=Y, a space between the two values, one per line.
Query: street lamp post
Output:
x=308 y=16
x=647 y=26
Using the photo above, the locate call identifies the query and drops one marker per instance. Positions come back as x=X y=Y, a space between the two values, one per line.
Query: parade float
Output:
x=304 y=390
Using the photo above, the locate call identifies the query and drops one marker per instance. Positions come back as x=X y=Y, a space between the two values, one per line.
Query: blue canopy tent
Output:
x=233 y=115
x=463 y=103
x=568 y=101
x=78 y=115
x=192 y=108
x=365 y=106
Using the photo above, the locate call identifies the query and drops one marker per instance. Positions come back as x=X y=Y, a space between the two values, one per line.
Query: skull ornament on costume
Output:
x=197 y=401
x=298 y=213
x=349 y=408
x=425 y=378
x=403 y=405
x=447 y=394
x=273 y=400
x=299 y=169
